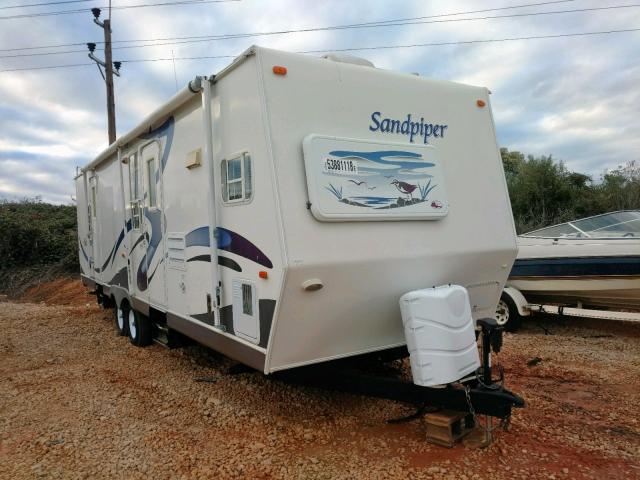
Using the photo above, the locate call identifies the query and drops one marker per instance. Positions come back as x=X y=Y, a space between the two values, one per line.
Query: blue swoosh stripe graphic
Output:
x=380 y=156
x=229 y=241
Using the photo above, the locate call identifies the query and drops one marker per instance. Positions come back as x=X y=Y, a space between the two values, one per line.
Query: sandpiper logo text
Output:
x=407 y=127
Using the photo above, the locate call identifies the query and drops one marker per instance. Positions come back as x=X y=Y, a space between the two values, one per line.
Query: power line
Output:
x=373 y=25
x=50 y=67
x=43 y=54
x=121 y=7
x=387 y=47
x=469 y=42
x=42 y=4
x=354 y=49
x=336 y=27
x=365 y=23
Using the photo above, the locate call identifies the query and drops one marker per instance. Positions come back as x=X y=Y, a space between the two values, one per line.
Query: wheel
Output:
x=122 y=319
x=139 y=328
x=507 y=314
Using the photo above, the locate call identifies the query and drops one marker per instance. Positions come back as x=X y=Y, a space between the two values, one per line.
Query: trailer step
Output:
x=161 y=336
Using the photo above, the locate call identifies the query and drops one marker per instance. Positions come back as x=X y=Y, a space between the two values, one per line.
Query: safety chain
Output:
x=472 y=410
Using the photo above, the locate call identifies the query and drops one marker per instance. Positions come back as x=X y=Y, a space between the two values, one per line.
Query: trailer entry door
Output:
x=92 y=214
x=152 y=222
x=139 y=239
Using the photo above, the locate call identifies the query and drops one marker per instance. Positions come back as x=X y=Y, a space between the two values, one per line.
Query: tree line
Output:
x=34 y=233
x=544 y=191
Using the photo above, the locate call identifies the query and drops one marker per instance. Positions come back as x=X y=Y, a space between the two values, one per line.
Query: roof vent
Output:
x=336 y=57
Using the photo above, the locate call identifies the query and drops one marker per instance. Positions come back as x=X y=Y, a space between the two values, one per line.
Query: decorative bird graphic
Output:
x=404 y=187
x=358 y=183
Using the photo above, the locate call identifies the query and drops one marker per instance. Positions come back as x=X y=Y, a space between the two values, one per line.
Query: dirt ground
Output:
x=77 y=401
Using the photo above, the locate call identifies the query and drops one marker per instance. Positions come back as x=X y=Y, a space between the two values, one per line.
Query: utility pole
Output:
x=108 y=65
x=111 y=105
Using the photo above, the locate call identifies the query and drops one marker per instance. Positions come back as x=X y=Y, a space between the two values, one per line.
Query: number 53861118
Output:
x=340 y=166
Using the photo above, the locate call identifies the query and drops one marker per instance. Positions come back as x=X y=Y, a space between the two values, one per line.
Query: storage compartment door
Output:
x=245 y=311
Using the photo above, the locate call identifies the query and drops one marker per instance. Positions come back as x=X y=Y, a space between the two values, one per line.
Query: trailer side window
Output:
x=151 y=179
x=133 y=177
x=237 y=178
x=93 y=200
x=134 y=190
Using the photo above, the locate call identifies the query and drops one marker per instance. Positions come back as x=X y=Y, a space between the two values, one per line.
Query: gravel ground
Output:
x=77 y=401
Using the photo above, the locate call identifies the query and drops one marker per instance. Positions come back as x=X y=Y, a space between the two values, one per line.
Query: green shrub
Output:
x=544 y=192
x=33 y=233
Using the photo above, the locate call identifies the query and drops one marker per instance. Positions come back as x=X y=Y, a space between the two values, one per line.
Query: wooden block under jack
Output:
x=447 y=427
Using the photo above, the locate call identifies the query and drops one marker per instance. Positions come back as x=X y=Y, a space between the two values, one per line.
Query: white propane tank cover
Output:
x=440 y=334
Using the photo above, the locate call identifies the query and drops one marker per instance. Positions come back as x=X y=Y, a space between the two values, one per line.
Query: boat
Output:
x=591 y=263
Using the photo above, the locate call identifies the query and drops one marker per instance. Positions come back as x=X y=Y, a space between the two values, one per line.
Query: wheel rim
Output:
x=502 y=313
x=120 y=319
x=132 y=324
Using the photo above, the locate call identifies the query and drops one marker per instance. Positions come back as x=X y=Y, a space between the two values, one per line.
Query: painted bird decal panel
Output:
x=399 y=178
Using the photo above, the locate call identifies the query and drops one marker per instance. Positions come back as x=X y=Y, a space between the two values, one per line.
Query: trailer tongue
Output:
x=445 y=366
x=478 y=394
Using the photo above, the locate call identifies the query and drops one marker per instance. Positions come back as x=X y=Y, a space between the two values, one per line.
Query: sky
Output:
x=576 y=98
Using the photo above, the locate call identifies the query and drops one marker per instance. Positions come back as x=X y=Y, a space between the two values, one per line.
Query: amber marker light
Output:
x=264 y=275
x=279 y=70
x=480 y=103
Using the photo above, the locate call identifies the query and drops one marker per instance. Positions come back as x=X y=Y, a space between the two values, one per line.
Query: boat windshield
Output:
x=624 y=224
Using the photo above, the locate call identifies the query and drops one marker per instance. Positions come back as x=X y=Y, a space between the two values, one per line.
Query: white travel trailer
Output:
x=278 y=210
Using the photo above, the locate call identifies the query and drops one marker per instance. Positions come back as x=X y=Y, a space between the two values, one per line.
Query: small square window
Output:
x=237 y=178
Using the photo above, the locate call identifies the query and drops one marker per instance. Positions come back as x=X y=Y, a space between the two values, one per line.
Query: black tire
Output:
x=139 y=328
x=121 y=316
x=507 y=314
